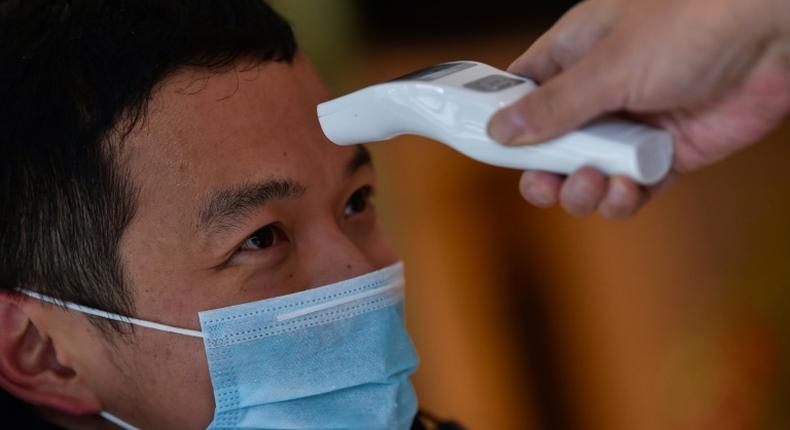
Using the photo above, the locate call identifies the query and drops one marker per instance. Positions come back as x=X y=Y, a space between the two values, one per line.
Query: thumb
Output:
x=579 y=94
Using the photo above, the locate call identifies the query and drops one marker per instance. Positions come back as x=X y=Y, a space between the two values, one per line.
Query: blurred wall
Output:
x=531 y=319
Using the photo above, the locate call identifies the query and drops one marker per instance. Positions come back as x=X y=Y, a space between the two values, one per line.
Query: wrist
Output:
x=778 y=12
x=782 y=31
x=766 y=20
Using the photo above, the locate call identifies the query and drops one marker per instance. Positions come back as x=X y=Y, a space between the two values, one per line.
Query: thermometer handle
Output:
x=614 y=146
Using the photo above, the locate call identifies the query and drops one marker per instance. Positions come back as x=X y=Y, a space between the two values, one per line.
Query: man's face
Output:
x=240 y=198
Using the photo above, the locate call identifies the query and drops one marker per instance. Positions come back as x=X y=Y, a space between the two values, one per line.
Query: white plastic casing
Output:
x=453 y=102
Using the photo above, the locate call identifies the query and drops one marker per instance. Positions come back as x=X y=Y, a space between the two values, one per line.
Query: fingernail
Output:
x=510 y=128
x=580 y=190
x=616 y=205
x=535 y=193
x=542 y=201
x=619 y=193
x=580 y=196
x=541 y=197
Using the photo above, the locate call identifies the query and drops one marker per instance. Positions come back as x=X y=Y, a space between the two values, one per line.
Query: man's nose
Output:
x=335 y=257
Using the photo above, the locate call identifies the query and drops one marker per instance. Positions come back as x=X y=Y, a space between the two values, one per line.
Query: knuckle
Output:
x=565 y=50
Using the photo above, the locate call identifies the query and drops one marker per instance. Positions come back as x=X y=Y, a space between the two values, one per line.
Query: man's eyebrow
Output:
x=224 y=208
x=361 y=158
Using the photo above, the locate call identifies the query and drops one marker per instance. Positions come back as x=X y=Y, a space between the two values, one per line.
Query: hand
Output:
x=714 y=73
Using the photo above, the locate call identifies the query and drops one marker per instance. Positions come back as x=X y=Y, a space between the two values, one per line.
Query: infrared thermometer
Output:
x=453 y=102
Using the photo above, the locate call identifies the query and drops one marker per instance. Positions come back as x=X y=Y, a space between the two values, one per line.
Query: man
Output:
x=162 y=159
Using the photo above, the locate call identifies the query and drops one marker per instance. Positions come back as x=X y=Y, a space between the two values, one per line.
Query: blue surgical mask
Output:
x=333 y=357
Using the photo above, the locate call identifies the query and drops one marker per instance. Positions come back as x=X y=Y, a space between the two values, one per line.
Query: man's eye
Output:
x=359 y=201
x=265 y=237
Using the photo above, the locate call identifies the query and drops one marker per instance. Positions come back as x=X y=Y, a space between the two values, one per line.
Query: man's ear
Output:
x=29 y=367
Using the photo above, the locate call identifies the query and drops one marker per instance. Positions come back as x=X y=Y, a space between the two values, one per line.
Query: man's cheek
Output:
x=172 y=378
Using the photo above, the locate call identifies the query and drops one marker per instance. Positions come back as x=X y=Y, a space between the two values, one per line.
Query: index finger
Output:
x=565 y=42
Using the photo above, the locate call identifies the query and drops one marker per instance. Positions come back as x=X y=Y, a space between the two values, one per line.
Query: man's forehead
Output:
x=199 y=122
x=200 y=102
x=244 y=126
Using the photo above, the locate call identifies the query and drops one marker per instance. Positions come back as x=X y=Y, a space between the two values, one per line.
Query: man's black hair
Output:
x=74 y=74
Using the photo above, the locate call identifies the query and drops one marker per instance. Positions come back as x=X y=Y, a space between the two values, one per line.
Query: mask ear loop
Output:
x=117 y=421
x=115 y=317
x=111 y=316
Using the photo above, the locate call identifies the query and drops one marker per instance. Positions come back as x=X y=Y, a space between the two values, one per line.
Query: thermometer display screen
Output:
x=435 y=72
x=493 y=83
